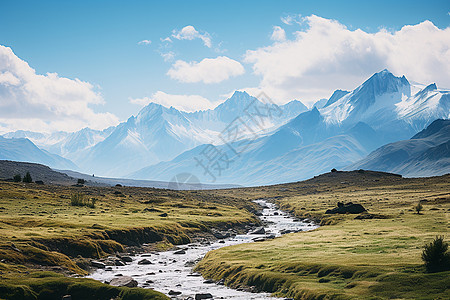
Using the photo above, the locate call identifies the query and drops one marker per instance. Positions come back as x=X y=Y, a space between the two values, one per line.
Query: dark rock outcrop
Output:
x=349 y=208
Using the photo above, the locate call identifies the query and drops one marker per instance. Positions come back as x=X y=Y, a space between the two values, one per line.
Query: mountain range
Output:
x=348 y=127
x=426 y=154
x=252 y=140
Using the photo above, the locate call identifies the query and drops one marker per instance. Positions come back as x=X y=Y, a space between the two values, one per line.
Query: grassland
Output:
x=376 y=258
x=42 y=236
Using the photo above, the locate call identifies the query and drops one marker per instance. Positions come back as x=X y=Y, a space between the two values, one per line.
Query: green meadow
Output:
x=378 y=257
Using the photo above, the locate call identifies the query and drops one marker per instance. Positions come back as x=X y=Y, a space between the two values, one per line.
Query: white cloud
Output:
x=7 y=78
x=168 y=56
x=291 y=19
x=209 y=70
x=167 y=39
x=278 y=34
x=190 y=33
x=145 y=42
x=327 y=56
x=188 y=103
x=30 y=101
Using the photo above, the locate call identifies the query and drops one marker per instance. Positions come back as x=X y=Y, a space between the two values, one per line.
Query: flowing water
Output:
x=173 y=272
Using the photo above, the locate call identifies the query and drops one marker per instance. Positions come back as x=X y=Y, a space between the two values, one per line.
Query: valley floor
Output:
x=378 y=256
x=46 y=243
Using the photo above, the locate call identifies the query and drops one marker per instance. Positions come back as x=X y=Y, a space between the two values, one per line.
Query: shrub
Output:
x=418 y=207
x=81 y=181
x=436 y=256
x=27 y=178
x=17 y=178
x=333 y=170
x=79 y=199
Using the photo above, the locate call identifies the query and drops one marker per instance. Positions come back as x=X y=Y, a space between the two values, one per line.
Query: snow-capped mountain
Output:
x=159 y=134
x=425 y=106
x=345 y=130
x=66 y=144
x=376 y=96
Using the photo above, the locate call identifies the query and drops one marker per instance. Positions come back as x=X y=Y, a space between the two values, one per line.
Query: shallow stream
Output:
x=169 y=271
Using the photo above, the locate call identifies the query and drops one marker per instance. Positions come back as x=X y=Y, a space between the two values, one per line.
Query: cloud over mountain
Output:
x=327 y=55
x=187 y=103
x=209 y=70
x=46 y=102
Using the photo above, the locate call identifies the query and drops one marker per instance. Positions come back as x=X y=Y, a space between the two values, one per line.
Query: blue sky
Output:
x=98 y=43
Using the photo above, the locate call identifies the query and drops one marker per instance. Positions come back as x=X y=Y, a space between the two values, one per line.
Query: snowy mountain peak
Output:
x=429 y=88
x=238 y=100
x=337 y=94
x=378 y=93
x=425 y=106
x=382 y=82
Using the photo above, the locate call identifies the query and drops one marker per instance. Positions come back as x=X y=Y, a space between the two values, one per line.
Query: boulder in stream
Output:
x=203 y=296
x=126 y=258
x=124 y=281
x=259 y=230
x=98 y=264
x=144 y=262
x=174 y=293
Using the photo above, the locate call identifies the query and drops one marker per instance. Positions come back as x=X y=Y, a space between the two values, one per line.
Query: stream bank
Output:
x=171 y=272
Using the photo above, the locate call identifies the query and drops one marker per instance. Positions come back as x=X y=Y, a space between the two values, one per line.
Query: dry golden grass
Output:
x=354 y=258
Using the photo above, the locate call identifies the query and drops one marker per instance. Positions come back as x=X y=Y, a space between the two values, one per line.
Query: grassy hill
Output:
x=377 y=255
x=41 y=231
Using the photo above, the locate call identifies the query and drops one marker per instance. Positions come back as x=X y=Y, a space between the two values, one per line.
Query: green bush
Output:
x=436 y=256
x=17 y=178
x=418 y=207
x=27 y=178
x=79 y=199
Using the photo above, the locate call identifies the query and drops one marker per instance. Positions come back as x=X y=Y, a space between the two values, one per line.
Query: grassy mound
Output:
x=48 y=285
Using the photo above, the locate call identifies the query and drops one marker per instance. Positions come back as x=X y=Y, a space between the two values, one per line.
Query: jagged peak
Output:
x=431 y=87
x=426 y=90
x=337 y=94
x=238 y=99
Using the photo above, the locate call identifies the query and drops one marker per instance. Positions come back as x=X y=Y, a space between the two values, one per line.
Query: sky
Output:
x=65 y=65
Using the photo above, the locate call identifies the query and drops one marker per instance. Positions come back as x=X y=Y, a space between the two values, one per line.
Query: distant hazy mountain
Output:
x=159 y=134
x=425 y=154
x=345 y=130
x=66 y=144
x=22 y=149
